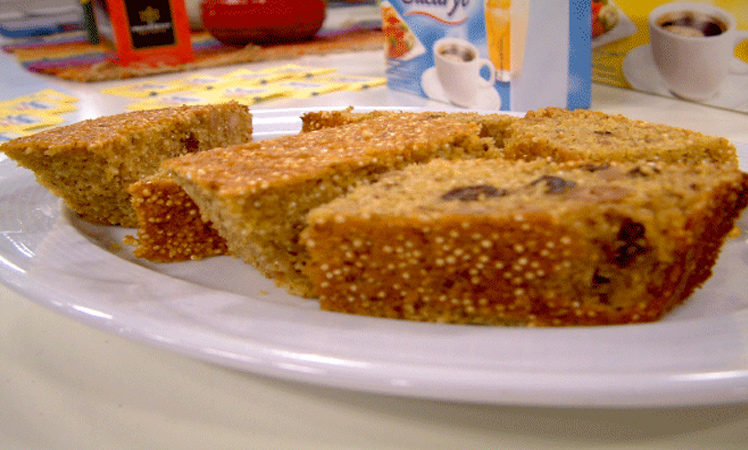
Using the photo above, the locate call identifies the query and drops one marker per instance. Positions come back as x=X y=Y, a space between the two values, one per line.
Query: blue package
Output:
x=511 y=55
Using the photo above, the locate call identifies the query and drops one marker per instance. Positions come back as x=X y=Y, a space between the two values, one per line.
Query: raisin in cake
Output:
x=523 y=243
x=91 y=163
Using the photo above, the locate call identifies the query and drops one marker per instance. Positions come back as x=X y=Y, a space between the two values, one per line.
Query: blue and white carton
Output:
x=510 y=55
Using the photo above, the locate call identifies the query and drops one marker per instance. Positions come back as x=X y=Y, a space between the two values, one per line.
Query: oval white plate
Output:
x=222 y=311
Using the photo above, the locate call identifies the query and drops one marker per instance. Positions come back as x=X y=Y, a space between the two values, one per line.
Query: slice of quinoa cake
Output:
x=496 y=125
x=523 y=243
x=561 y=135
x=170 y=227
x=257 y=195
x=317 y=120
x=91 y=163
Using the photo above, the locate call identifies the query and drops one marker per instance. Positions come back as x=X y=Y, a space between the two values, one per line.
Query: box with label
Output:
x=153 y=32
x=695 y=51
x=510 y=55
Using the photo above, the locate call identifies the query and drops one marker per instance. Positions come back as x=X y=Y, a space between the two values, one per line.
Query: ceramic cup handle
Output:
x=492 y=73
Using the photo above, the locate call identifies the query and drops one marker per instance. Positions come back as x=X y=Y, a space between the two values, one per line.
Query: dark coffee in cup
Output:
x=456 y=53
x=692 y=24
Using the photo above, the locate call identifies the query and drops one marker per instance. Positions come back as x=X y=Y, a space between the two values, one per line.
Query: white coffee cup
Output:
x=693 y=67
x=458 y=67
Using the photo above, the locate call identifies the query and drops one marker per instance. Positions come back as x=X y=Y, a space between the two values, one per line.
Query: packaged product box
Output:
x=511 y=55
x=695 y=51
x=153 y=32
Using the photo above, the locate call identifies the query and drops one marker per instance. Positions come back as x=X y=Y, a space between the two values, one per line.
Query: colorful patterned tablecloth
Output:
x=71 y=56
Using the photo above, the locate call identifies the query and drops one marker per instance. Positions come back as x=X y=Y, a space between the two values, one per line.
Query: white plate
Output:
x=222 y=311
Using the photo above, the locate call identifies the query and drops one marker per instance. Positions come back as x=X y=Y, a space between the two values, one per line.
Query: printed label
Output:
x=449 y=12
x=151 y=23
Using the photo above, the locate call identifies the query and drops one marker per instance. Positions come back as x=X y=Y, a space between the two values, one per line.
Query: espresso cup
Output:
x=693 y=46
x=458 y=67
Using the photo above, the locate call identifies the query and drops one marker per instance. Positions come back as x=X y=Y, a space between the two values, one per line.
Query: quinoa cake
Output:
x=257 y=195
x=562 y=135
x=495 y=126
x=165 y=236
x=499 y=127
x=317 y=120
x=523 y=243
x=91 y=163
x=170 y=227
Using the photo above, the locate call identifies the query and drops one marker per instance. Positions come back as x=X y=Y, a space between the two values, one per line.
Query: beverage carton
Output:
x=490 y=54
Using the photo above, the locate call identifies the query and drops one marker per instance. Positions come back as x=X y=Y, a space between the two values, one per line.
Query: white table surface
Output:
x=65 y=385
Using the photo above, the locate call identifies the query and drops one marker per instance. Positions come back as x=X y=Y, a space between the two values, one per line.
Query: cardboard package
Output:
x=153 y=32
x=511 y=55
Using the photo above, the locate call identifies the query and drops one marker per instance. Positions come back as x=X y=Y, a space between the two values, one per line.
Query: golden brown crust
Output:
x=91 y=163
x=496 y=126
x=561 y=135
x=496 y=242
x=317 y=120
x=170 y=227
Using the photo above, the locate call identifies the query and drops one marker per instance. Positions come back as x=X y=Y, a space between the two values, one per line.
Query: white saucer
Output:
x=640 y=71
x=487 y=98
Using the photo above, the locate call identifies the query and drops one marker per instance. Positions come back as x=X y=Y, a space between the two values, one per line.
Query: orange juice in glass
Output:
x=506 y=29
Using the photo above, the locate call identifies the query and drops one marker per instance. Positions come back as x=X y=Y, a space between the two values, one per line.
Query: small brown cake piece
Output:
x=170 y=227
x=317 y=120
x=495 y=125
x=562 y=135
x=257 y=195
x=91 y=163
x=523 y=243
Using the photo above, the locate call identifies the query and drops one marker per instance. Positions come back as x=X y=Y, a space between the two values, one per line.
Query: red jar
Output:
x=240 y=22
